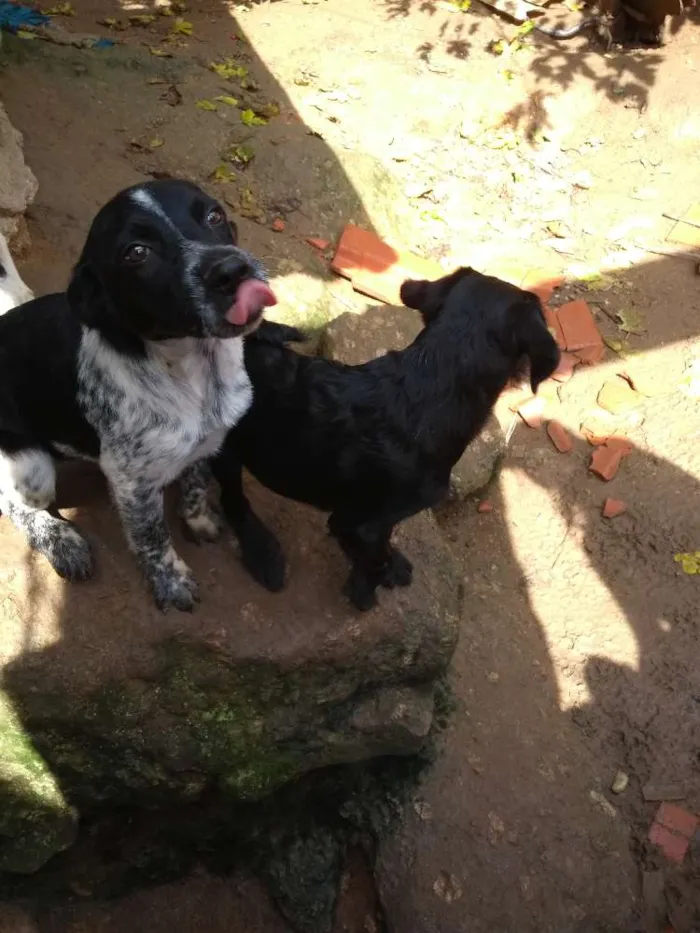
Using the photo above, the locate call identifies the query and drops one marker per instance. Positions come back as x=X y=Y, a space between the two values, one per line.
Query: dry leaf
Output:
x=172 y=96
x=156 y=142
x=223 y=174
x=227 y=99
x=241 y=154
x=60 y=9
x=229 y=68
x=631 y=322
x=142 y=19
x=250 y=118
x=160 y=53
x=181 y=27
x=206 y=105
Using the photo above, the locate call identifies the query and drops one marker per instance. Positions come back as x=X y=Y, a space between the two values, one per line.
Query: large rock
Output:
x=109 y=703
x=356 y=338
x=18 y=186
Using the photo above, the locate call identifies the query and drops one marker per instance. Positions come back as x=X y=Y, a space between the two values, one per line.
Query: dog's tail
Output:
x=535 y=341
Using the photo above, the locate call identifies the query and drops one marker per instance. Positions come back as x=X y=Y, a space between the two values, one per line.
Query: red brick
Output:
x=377 y=269
x=620 y=443
x=485 y=506
x=605 y=462
x=552 y=318
x=318 y=243
x=579 y=328
x=532 y=412
x=560 y=437
x=677 y=819
x=542 y=283
x=590 y=355
x=278 y=225
x=674 y=847
x=565 y=370
x=613 y=507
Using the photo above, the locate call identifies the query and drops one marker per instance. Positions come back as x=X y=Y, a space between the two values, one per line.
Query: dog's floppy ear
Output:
x=429 y=297
x=87 y=297
x=535 y=341
x=277 y=334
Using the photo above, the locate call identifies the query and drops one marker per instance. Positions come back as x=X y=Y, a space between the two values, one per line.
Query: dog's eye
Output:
x=215 y=217
x=136 y=253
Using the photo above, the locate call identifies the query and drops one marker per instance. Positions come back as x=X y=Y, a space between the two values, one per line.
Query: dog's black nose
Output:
x=227 y=274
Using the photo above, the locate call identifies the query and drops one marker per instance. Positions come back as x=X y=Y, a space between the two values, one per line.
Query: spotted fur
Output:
x=138 y=367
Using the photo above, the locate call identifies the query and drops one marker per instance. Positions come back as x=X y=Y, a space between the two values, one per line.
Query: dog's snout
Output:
x=228 y=273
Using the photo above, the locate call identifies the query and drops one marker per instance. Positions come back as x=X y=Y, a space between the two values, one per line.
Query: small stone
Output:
x=620 y=783
x=485 y=506
x=603 y=804
x=423 y=809
x=278 y=225
x=493 y=677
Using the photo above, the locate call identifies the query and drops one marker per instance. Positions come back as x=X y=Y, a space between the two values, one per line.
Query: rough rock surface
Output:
x=356 y=338
x=18 y=186
x=109 y=703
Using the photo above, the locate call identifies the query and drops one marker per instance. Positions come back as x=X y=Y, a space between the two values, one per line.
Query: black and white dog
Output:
x=375 y=444
x=138 y=366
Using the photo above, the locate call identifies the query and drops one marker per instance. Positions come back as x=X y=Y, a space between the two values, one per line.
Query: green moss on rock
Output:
x=35 y=820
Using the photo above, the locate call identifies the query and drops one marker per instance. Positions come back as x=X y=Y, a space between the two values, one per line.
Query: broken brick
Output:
x=673 y=846
x=580 y=330
x=606 y=460
x=560 y=437
x=677 y=819
x=565 y=369
x=318 y=243
x=552 y=320
x=542 y=283
x=590 y=355
x=613 y=507
x=618 y=396
x=278 y=225
x=532 y=412
x=485 y=506
x=620 y=443
x=377 y=269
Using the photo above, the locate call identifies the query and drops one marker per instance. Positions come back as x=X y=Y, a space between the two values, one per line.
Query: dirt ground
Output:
x=450 y=133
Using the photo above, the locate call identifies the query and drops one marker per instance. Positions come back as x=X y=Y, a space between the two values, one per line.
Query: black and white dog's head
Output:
x=161 y=262
x=491 y=319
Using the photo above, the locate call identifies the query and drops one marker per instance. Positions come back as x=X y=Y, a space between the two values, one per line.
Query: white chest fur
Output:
x=156 y=415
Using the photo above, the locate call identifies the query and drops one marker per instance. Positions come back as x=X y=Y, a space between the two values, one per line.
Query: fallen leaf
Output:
x=229 y=68
x=60 y=9
x=182 y=27
x=558 y=229
x=111 y=23
x=206 y=104
x=156 y=142
x=250 y=118
x=223 y=174
x=631 y=322
x=241 y=154
x=25 y=34
x=268 y=110
x=227 y=99
x=690 y=562
x=142 y=19
x=159 y=53
x=617 y=346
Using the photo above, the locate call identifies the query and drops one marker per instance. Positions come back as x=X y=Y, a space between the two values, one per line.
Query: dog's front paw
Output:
x=361 y=591
x=202 y=525
x=398 y=570
x=173 y=584
x=67 y=550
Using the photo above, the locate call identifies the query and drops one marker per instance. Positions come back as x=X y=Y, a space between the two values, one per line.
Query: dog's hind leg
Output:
x=200 y=520
x=27 y=489
x=261 y=552
x=374 y=561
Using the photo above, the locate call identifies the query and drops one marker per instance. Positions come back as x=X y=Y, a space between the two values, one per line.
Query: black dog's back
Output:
x=375 y=443
x=38 y=375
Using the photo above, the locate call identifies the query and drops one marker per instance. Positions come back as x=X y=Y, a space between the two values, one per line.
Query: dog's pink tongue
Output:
x=252 y=295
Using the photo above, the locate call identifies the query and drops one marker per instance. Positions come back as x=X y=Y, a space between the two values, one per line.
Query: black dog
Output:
x=375 y=444
x=139 y=367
